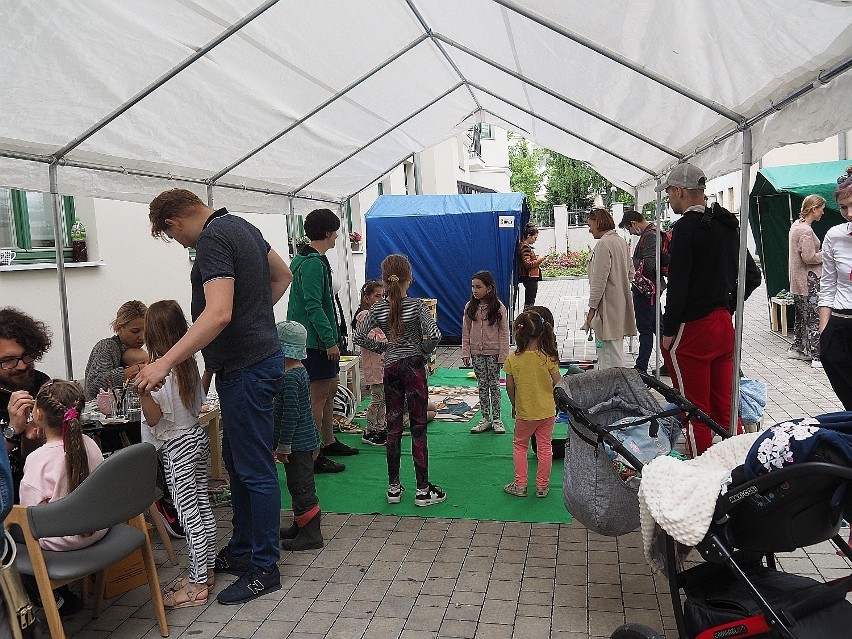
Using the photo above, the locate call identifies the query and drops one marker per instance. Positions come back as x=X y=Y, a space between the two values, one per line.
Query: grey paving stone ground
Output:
x=383 y=577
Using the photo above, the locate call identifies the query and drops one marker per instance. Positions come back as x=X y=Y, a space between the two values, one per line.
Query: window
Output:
x=485 y=131
x=26 y=225
x=730 y=198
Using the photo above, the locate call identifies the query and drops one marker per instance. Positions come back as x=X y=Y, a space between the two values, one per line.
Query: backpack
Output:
x=665 y=252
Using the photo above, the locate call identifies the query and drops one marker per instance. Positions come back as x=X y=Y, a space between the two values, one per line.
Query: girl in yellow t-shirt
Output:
x=531 y=373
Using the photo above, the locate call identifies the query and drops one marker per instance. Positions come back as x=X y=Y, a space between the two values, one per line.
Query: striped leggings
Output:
x=185 y=465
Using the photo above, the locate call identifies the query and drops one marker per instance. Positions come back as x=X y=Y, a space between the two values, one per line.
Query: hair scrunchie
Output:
x=393 y=278
x=71 y=413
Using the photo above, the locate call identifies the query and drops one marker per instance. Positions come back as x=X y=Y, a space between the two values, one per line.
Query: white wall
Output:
x=135 y=266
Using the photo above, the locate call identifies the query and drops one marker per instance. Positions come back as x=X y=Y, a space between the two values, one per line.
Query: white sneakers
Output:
x=487 y=424
x=816 y=364
x=482 y=426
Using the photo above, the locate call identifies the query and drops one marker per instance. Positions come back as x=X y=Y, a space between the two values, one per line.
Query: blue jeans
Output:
x=245 y=398
x=645 y=314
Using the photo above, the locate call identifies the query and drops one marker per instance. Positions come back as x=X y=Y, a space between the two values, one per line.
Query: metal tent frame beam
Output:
x=558 y=96
x=384 y=133
x=563 y=129
x=623 y=61
x=320 y=107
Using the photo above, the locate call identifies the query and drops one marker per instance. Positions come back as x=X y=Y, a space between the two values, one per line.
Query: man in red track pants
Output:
x=698 y=335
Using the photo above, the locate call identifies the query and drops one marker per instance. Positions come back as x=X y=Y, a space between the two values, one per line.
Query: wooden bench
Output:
x=778 y=309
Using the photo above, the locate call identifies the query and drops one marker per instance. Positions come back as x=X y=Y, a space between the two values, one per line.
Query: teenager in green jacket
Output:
x=312 y=305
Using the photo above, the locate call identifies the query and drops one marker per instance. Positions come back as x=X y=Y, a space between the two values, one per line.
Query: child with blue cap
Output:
x=296 y=442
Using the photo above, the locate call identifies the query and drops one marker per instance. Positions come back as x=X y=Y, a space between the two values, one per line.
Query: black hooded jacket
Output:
x=703 y=268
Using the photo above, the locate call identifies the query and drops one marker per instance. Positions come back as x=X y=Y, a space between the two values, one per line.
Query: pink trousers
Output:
x=543 y=431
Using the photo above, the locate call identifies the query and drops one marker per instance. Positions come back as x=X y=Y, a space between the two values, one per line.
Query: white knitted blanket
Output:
x=680 y=496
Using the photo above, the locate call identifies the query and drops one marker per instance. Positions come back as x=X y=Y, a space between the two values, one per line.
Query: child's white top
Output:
x=177 y=419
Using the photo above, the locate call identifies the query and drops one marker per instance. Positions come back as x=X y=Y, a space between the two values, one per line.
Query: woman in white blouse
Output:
x=835 y=297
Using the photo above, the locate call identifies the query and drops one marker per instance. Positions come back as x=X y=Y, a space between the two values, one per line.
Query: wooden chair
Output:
x=118 y=491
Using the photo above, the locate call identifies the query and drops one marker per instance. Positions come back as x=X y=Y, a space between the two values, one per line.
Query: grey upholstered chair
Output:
x=118 y=491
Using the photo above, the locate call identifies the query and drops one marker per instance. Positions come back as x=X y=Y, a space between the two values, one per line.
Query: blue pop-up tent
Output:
x=448 y=238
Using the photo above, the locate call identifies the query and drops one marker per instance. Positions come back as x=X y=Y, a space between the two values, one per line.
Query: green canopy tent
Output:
x=774 y=204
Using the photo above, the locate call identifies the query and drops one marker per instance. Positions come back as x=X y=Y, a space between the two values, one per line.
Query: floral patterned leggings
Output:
x=806 y=328
x=488 y=379
x=405 y=385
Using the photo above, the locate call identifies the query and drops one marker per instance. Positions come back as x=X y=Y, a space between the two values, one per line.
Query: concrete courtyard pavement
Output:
x=385 y=577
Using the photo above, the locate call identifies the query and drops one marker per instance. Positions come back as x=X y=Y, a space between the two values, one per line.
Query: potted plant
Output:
x=355 y=240
x=79 y=253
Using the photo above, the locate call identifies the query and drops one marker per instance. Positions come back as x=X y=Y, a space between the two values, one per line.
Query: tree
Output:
x=526 y=178
x=574 y=183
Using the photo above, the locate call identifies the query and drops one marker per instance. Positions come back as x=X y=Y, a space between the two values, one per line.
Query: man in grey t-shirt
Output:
x=236 y=279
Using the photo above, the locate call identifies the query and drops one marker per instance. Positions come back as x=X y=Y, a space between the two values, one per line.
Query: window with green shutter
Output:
x=26 y=225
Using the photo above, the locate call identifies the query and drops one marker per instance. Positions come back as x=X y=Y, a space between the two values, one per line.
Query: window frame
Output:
x=22 y=233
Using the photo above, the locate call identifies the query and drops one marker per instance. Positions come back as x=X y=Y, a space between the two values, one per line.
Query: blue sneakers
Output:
x=251 y=585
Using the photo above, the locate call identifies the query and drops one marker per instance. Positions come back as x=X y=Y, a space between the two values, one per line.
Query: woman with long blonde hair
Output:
x=805 y=270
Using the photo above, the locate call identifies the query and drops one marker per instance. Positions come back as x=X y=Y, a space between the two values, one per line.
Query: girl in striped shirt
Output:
x=411 y=331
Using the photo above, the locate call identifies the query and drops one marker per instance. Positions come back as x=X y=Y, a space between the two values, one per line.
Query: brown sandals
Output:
x=193 y=598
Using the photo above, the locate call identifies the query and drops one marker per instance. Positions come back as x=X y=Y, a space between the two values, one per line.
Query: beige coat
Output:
x=805 y=255
x=610 y=274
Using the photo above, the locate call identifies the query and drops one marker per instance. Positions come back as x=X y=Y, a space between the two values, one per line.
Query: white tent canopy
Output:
x=267 y=108
x=319 y=99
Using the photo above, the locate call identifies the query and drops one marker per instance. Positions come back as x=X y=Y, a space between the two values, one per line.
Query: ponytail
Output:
x=530 y=325
x=61 y=402
x=396 y=272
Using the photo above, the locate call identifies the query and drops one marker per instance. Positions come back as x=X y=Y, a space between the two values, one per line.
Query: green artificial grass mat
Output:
x=472 y=469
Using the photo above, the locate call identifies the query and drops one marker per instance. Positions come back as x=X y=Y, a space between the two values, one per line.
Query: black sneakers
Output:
x=338 y=449
x=395 y=493
x=428 y=496
x=325 y=465
x=170 y=518
x=228 y=562
x=375 y=438
x=251 y=585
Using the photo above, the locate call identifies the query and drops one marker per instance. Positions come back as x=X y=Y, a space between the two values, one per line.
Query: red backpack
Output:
x=665 y=252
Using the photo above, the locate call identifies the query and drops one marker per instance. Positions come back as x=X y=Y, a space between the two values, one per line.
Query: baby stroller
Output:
x=613 y=411
x=737 y=591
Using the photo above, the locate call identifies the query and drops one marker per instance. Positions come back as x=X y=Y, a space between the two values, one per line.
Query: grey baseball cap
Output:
x=686 y=176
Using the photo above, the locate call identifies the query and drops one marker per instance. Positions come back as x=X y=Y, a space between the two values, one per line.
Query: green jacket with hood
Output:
x=311 y=300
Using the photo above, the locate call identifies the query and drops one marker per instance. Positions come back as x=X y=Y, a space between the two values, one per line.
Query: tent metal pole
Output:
x=558 y=96
x=59 y=243
x=379 y=137
x=659 y=277
x=738 y=325
x=621 y=60
x=562 y=128
x=210 y=195
x=349 y=260
x=502 y=119
x=168 y=75
x=418 y=175
x=443 y=51
x=320 y=107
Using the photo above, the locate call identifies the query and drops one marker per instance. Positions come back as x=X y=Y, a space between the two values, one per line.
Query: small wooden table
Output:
x=211 y=423
x=780 y=305
x=347 y=366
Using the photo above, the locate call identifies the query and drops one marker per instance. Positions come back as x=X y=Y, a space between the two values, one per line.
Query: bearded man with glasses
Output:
x=23 y=341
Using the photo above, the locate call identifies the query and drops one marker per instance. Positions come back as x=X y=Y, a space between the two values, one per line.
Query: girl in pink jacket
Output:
x=485 y=340
x=373 y=368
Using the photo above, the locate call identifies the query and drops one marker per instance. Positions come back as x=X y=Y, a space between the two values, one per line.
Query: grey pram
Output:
x=598 y=404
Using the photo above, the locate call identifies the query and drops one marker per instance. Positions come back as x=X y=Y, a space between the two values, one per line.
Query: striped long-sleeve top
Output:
x=419 y=328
